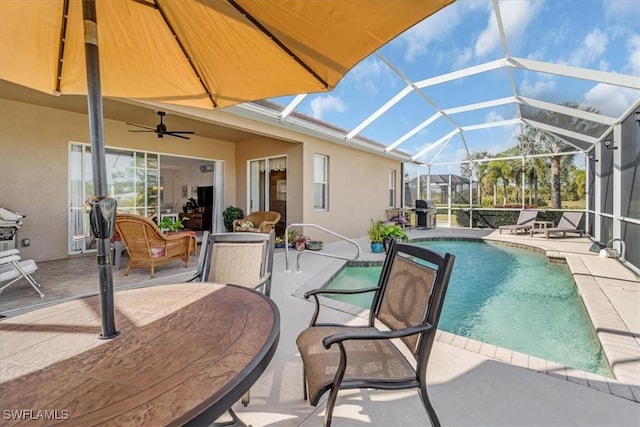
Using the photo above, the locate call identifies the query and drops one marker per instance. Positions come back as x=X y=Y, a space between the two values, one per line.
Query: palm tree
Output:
x=536 y=141
x=500 y=170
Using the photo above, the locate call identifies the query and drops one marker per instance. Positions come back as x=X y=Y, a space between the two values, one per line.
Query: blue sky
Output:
x=599 y=35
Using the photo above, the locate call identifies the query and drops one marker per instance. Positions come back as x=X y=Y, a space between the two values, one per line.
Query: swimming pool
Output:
x=508 y=297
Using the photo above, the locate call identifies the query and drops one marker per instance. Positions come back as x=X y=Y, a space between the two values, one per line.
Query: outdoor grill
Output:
x=425 y=214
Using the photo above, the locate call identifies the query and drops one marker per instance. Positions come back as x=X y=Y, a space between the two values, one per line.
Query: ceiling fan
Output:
x=161 y=129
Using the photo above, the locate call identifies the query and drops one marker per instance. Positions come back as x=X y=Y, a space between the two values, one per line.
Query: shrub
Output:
x=229 y=215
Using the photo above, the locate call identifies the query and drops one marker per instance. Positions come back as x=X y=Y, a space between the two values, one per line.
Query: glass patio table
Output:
x=186 y=353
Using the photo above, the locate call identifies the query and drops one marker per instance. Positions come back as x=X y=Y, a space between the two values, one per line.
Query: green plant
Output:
x=230 y=214
x=375 y=231
x=394 y=231
x=166 y=224
x=291 y=234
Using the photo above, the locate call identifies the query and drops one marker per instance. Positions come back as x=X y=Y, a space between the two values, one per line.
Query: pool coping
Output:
x=619 y=345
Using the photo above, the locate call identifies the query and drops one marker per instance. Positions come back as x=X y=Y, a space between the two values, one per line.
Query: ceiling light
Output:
x=609 y=144
x=592 y=156
x=638 y=117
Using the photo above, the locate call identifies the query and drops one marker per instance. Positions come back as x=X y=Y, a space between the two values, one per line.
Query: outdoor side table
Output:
x=540 y=227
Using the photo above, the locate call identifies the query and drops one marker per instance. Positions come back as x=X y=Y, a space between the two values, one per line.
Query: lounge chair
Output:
x=569 y=223
x=525 y=222
x=148 y=247
x=13 y=268
x=408 y=301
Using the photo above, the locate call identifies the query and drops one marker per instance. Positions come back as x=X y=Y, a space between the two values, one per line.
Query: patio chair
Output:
x=148 y=247
x=408 y=301
x=569 y=223
x=524 y=223
x=244 y=259
x=13 y=268
x=257 y=222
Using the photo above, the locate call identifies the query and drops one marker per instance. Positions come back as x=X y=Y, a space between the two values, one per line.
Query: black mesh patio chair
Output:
x=408 y=301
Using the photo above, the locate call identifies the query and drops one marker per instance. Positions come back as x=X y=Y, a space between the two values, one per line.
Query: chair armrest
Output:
x=315 y=292
x=374 y=334
x=9 y=252
x=266 y=227
x=9 y=259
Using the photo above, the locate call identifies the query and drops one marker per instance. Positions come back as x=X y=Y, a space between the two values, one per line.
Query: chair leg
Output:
x=435 y=422
x=246 y=398
x=304 y=383
x=35 y=285
x=331 y=403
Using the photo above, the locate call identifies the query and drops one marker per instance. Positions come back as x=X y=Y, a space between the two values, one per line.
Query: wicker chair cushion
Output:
x=368 y=359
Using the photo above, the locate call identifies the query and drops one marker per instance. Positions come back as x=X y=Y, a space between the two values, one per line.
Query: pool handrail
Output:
x=333 y=233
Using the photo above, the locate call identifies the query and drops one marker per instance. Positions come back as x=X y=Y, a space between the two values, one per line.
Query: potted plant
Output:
x=164 y=224
x=300 y=241
x=393 y=232
x=279 y=242
x=375 y=236
x=229 y=215
x=191 y=205
x=291 y=235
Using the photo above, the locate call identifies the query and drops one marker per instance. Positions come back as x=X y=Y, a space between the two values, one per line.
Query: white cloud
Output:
x=464 y=56
x=621 y=9
x=609 y=100
x=493 y=116
x=516 y=16
x=435 y=28
x=594 y=45
x=633 y=60
x=544 y=83
x=323 y=104
x=365 y=75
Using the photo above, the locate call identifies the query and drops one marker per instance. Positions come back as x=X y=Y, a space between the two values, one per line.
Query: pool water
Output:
x=509 y=297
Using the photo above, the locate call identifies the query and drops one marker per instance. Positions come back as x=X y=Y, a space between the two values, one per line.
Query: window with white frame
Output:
x=392 y=188
x=320 y=182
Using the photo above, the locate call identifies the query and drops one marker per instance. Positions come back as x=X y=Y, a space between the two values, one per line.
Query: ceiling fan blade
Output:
x=180 y=131
x=176 y=135
x=142 y=126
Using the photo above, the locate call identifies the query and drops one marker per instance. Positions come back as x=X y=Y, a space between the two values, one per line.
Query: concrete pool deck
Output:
x=471 y=383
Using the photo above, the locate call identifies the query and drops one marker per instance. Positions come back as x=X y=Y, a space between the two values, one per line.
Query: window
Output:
x=320 y=174
x=392 y=188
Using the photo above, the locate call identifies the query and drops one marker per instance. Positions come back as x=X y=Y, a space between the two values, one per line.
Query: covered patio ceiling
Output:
x=569 y=68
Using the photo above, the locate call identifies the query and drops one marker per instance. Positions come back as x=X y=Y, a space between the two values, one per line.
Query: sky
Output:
x=592 y=34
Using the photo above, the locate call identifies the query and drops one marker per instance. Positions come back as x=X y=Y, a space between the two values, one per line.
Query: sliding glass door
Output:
x=133 y=179
x=267 y=187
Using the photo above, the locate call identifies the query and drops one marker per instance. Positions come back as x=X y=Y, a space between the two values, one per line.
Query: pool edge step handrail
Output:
x=326 y=254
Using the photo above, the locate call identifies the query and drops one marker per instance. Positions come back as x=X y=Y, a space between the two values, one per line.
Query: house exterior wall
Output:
x=34 y=167
x=358 y=189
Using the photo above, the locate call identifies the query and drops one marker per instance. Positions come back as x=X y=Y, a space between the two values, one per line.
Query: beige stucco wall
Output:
x=34 y=150
x=34 y=145
x=358 y=189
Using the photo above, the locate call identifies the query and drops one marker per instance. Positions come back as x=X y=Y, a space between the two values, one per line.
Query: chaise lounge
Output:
x=569 y=223
x=525 y=222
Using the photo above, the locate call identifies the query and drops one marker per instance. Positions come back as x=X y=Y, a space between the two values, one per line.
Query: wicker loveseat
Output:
x=148 y=247
x=257 y=222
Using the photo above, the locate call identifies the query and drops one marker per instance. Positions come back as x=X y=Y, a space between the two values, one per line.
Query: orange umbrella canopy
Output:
x=203 y=53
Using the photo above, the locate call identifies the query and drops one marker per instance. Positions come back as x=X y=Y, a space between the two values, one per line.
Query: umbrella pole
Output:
x=102 y=208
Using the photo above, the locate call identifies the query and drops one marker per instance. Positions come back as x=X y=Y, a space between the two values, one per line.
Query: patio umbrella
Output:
x=199 y=53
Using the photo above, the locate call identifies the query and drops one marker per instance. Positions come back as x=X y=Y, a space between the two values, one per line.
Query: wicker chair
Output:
x=408 y=301
x=148 y=247
x=261 y=222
